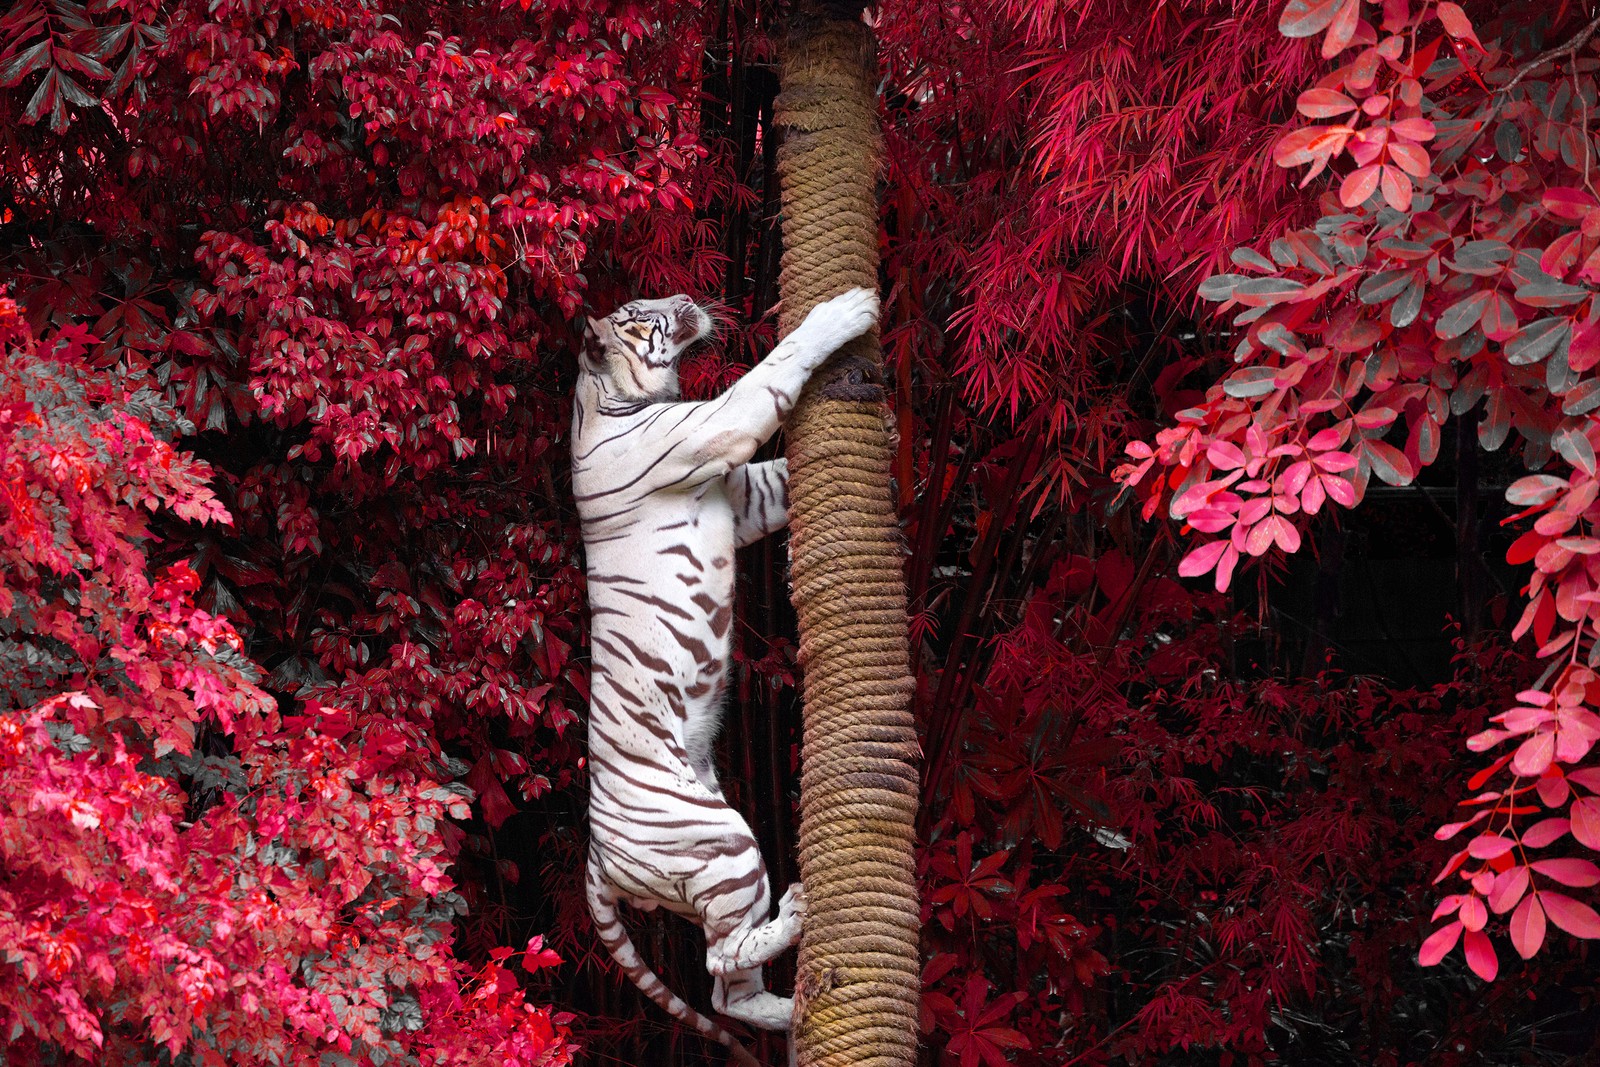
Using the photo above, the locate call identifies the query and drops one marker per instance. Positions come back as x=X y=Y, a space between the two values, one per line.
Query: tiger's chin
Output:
x=691 y=325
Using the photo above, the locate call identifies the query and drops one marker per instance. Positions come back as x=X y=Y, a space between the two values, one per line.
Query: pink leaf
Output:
x=1449 y=830
x=1284 y=533
x=1339 y=490
x=1553 y=790
x=1571 y=872
x=1509 y=887
x=1201 y=559
x=1544 y=832
x=1480 y=955
x=1457 y=25
x=1575 y=917
x=1484 y=740
x=1534 y=755
x=1312 y=496
x=1343 y=28
x=1396 y=188
x=1489 y=846
x=1439 y=944
x=1585 y=816
x=1324 y=103
x=1567 y=202
x=1258 y=540
x=1225 y=455
x=1409 y=158
x=1210 y=520
x=1527 y=927
x=1359 y=185
x=1413 y=129
x=1329 y=439
x=1225 y=566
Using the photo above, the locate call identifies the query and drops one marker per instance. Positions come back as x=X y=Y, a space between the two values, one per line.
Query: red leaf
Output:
x=1488 y=846
x=1573 y=916
x=1568 y=202
x=1396 y=188
x=1509 y=887
x=1577 y=873
x=1342 y=30
x=1201 y=559
x=1306 y=18
x=1500 y=318
x=1527 y=927
x=1480 y=955
x=1359 y=185
x=1456 y=23
x=537 y=957
x=1534 y=754
x=1585 y=821
x=1561 y=254
x=1477 y=780
x=492 y=799
x=1324 y=103
x=1584 y=351
x=1439 y=944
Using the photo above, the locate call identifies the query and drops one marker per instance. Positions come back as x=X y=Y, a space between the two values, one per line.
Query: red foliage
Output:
x=291 y=719
x=317 y=213
x=253 y=907
x=1432 y=283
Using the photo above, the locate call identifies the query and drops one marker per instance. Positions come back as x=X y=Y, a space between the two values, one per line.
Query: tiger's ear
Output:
x=593 y=350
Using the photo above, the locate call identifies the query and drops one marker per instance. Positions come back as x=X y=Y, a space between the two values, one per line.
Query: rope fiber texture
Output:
x=858 y=981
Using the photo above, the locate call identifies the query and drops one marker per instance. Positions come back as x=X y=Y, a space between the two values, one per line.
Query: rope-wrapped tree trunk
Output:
x=858 y=982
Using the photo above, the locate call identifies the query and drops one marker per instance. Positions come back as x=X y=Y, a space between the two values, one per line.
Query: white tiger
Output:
x=666 y=491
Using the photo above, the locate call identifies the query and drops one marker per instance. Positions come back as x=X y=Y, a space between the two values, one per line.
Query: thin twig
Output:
x=1568 y=49
x=1577 y=90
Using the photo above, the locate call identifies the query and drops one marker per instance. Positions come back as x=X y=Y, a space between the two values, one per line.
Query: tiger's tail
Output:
x=603 y=906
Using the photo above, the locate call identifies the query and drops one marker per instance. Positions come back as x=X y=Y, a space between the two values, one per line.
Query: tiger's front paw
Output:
x=792 y=906
x=843 y=318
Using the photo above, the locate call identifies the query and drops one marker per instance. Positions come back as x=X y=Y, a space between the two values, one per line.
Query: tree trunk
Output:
x=858 y=979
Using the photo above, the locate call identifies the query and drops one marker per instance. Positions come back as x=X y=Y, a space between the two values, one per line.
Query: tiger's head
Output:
x=635 y=349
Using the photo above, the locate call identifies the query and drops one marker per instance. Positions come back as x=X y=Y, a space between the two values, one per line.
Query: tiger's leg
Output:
x=742 y=995
x=721 y=434
x=759 y=495
x=754 y=943
x=740 y=992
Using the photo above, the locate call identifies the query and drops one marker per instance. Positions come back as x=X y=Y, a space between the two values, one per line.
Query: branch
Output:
x=1568 y=49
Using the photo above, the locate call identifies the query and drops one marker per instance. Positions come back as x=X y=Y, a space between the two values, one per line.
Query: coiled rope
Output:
x=858 y=977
